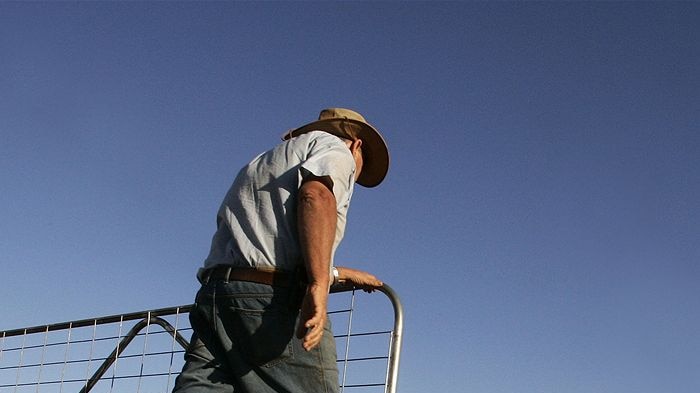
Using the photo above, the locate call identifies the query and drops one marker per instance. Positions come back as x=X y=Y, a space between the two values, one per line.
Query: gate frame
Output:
x=154 y=317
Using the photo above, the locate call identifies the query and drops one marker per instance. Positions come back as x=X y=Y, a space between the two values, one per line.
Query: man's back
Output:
x=257 y=224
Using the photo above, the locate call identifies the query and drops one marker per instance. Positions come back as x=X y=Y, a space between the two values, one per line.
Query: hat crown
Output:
x=340 y=113
x=349 y=124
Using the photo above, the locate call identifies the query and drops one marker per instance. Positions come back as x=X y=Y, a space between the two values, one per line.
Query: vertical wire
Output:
x=43 y=357
x=116 y=359
x=143 y=352
x=92 y=348
x=347 y=340
x=65 y=356
x=2 y=345
x=21 y=359
x=388 y=361
x=172 y=349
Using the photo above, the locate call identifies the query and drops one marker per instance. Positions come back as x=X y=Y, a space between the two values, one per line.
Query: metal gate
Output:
x=143 y=351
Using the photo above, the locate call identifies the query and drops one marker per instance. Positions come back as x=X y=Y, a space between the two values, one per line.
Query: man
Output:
x=260 y=319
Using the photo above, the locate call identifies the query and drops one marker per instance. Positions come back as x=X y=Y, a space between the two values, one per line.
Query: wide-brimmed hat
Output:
x=349 y=124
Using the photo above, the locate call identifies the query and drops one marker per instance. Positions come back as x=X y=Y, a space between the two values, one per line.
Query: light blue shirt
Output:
x=257 y=222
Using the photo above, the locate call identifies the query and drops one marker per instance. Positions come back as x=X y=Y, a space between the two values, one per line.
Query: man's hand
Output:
x=368 y=282
x=313 y=316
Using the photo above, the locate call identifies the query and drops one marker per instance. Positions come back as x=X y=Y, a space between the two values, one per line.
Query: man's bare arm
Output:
x=317 y=217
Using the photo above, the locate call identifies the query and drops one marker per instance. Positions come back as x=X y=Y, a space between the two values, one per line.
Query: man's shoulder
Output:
x=319 y=136
x=315 y=142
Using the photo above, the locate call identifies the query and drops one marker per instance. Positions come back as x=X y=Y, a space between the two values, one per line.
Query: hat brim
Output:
x=375 y=153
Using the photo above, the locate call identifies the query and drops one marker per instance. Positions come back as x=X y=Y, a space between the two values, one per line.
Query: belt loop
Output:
x=228 y=274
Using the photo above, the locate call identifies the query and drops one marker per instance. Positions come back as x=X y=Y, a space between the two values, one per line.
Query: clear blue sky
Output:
x=540 y=220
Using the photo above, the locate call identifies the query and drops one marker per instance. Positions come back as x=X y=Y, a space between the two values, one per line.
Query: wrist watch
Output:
x=336 y=276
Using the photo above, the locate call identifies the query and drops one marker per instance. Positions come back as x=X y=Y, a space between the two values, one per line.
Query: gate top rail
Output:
x=97 y=321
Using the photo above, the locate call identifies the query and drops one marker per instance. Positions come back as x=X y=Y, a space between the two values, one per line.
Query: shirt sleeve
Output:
x=329 y=157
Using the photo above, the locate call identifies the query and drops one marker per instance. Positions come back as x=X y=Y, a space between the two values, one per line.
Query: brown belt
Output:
x=277 y=278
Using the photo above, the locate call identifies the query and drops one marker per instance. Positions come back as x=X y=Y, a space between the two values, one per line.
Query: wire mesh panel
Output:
x=139 y=352
x=143 y=351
